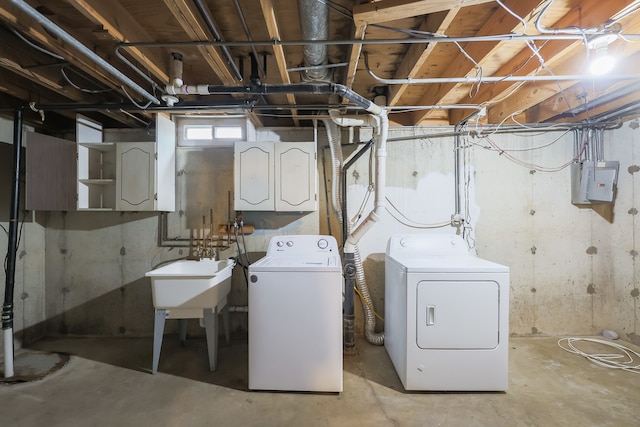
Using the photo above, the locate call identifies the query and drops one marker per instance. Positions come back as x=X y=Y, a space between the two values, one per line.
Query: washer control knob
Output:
x=280 y=243
x=289 y=243
x=253 y=278
x=323 y=244
x=403 y=242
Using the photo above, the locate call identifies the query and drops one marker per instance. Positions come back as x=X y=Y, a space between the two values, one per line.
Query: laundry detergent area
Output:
x=318 y=262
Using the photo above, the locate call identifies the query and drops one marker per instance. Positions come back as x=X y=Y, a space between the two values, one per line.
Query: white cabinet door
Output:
x=296 y=179
x=253 y=176
x=135 y=176
x=275 y=176
x=165 y=178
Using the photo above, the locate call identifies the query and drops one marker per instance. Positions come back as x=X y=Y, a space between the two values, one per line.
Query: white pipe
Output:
x=379 y=203
x=188 y=89
x=353 y=120
x=8 y=353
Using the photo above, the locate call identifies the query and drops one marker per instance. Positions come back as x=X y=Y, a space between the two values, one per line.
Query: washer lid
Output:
x=448 y=264
x=294 y=263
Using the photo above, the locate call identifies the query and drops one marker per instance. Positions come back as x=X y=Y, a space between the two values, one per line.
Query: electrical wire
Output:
x=66 y=77
x=626 y=360
x=365 y=199
x=239 y=259
x=142 y=107
x=539 y=147
x=533 y=166
x=414 y=224
x=244 y=245
x=515 y=15
x=35 y=46
x=363 y=299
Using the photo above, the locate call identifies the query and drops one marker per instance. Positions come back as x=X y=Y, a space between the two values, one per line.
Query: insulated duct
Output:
x=314 y=23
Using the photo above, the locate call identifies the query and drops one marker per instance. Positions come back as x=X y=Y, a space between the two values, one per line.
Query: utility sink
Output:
x=184 y=288
x=191 y=289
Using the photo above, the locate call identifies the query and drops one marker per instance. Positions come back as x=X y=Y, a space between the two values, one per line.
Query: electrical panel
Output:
x=594 y=182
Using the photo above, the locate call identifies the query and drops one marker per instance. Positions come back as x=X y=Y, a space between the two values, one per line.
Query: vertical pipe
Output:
x=348 y=309
x=12 y=247
x=456 y=166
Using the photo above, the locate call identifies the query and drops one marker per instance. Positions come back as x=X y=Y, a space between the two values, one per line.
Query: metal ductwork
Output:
x=314 y=22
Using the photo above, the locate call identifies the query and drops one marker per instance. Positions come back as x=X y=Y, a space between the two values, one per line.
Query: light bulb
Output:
x=601 y=63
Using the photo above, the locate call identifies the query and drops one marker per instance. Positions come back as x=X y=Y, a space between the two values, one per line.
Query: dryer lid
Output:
x=448 y=264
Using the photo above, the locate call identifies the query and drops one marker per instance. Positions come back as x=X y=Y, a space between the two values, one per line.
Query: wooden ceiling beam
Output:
x=354 y=55
x=418 y=53
x=187 y=16
x=34 y=31
x=184 y=12
x=554 y=52
x=122 y=27
x=281 y=61
x=391 y=10
x=560 y=106
x=501 y=22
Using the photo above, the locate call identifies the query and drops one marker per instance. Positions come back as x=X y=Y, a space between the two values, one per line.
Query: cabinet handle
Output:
x=431 y=315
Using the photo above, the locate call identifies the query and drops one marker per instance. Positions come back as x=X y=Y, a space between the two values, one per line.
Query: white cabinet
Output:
x=126 y=176
x=275 y=176
x=96 y=167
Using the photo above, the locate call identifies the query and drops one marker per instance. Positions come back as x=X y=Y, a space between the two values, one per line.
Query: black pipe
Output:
x=216 y=35
x=257 y=89
x=12 y=246
x=343 y=187
x=348 y=312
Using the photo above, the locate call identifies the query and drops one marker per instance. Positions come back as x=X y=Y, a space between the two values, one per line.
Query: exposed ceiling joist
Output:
x=388 y=31
x=391 y=10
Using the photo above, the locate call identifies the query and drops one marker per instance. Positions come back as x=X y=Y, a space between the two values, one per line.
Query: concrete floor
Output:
x=107 y=383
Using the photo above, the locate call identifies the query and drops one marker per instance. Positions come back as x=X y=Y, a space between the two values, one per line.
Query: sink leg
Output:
x=211 y=328
x=158 y=332
x=227 y=325
x=182 y=324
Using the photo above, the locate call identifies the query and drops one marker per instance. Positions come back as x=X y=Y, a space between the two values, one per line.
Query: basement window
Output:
x=210 y=132
x=198 y=132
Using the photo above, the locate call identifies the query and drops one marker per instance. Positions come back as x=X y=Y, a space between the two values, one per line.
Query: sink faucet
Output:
x=201 y=251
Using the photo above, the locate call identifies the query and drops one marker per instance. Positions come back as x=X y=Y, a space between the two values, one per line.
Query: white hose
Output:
x=625 y=359
x=8 y=353
x=333 y=135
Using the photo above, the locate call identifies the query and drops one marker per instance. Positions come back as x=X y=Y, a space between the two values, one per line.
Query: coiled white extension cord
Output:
x=627 y=360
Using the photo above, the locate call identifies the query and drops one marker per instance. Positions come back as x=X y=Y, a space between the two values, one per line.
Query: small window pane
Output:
x=198 y=132
x=227 y=132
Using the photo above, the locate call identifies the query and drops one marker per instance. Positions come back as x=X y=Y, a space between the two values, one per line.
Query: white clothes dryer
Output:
x=446 y=315
x=295 y=316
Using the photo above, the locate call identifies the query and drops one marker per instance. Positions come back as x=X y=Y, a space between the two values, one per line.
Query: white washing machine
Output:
x=295 y=316
x=446 y=315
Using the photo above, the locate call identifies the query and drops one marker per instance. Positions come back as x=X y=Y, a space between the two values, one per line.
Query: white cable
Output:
x=627 y=360
x=512 y=13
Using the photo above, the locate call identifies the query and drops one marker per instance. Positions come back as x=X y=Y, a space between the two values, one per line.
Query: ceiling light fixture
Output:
x=601 y=62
